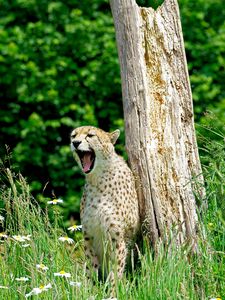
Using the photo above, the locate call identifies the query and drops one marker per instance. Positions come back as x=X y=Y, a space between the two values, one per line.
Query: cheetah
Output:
x=109 y=207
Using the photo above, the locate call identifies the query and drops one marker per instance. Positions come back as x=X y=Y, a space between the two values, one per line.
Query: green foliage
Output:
x=24 y=218
x=59 y=70
x=213 y=163
x=149 y=3
x=204 y=35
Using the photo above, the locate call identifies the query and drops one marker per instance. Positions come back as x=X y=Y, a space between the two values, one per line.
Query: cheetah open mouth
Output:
x=87 y=159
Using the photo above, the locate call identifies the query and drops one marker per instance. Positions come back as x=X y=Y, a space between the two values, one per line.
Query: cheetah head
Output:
x=91 y=145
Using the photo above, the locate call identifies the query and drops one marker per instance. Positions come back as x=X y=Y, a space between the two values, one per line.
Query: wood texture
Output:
x=158 y=112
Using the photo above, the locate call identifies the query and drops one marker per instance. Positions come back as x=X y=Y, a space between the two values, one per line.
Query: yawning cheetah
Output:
x=109 y=206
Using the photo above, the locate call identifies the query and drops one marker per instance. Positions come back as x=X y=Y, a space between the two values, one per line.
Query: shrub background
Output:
x=59 y=70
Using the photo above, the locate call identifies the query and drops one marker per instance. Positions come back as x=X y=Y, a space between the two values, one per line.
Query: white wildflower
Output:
x=55 y=201
x=39 y=290
x=75 y=228
x=2 y=218
x=3 y=235
x=3 y=287
x=66 y=239
x=75 y=283
x=62 y=274
x=25 y=245
x=22 y=279
x=21 y=238
x=42 y=267
x=26 y=237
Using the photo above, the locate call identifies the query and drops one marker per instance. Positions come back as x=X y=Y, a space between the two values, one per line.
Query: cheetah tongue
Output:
x=87 y=162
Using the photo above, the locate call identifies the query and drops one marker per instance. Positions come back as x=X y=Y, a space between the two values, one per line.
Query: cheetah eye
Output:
x=90 y=135
x=73 y=136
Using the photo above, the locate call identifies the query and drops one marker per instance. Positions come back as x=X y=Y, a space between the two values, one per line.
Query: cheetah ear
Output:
x=114 y=136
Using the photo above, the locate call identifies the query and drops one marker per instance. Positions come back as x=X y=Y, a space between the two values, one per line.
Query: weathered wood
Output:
x=158 y=112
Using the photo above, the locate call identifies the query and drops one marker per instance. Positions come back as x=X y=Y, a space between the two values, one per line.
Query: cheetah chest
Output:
x=94 y=216
x=98 y=218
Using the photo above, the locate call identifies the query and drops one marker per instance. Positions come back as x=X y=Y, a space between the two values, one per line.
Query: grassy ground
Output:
x=173 y=274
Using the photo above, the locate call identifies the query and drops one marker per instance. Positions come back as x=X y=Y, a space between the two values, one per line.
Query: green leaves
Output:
x=204 y=35
x=59 y=70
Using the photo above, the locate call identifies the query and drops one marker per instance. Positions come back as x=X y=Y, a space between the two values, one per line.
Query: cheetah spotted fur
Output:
x=109 y=206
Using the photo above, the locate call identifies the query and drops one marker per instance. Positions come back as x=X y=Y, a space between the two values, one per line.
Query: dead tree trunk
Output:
x=159 y=126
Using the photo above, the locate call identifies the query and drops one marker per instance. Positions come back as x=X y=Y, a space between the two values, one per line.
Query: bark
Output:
x=158 y=112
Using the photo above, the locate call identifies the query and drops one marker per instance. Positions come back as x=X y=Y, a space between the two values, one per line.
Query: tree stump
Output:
x=158 y=113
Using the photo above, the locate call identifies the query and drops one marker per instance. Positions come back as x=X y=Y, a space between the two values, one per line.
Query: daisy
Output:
x=18 y=238
x=22 y=279
x=75 y=228
x=27 y=238
x=55 y=201
x=3 y=235
x=21 y=238
x=39 y=290
x=42 y=267
x=75 y=283
x=62 y=274
x=25 y=245
x=66 y=239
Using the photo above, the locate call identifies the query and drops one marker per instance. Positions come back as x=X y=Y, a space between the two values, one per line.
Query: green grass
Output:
x=171 y=274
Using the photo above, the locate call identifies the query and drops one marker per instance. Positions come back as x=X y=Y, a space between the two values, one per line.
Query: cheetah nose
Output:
x=76 y=144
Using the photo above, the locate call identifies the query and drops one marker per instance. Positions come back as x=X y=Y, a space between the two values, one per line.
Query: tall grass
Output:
x=172 y=274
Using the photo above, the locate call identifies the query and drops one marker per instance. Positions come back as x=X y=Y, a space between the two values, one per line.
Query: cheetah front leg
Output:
x=118 y=257
x=92 y=258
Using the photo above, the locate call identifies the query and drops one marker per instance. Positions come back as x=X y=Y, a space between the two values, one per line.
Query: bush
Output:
x=54 y=58
x=59 y=70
